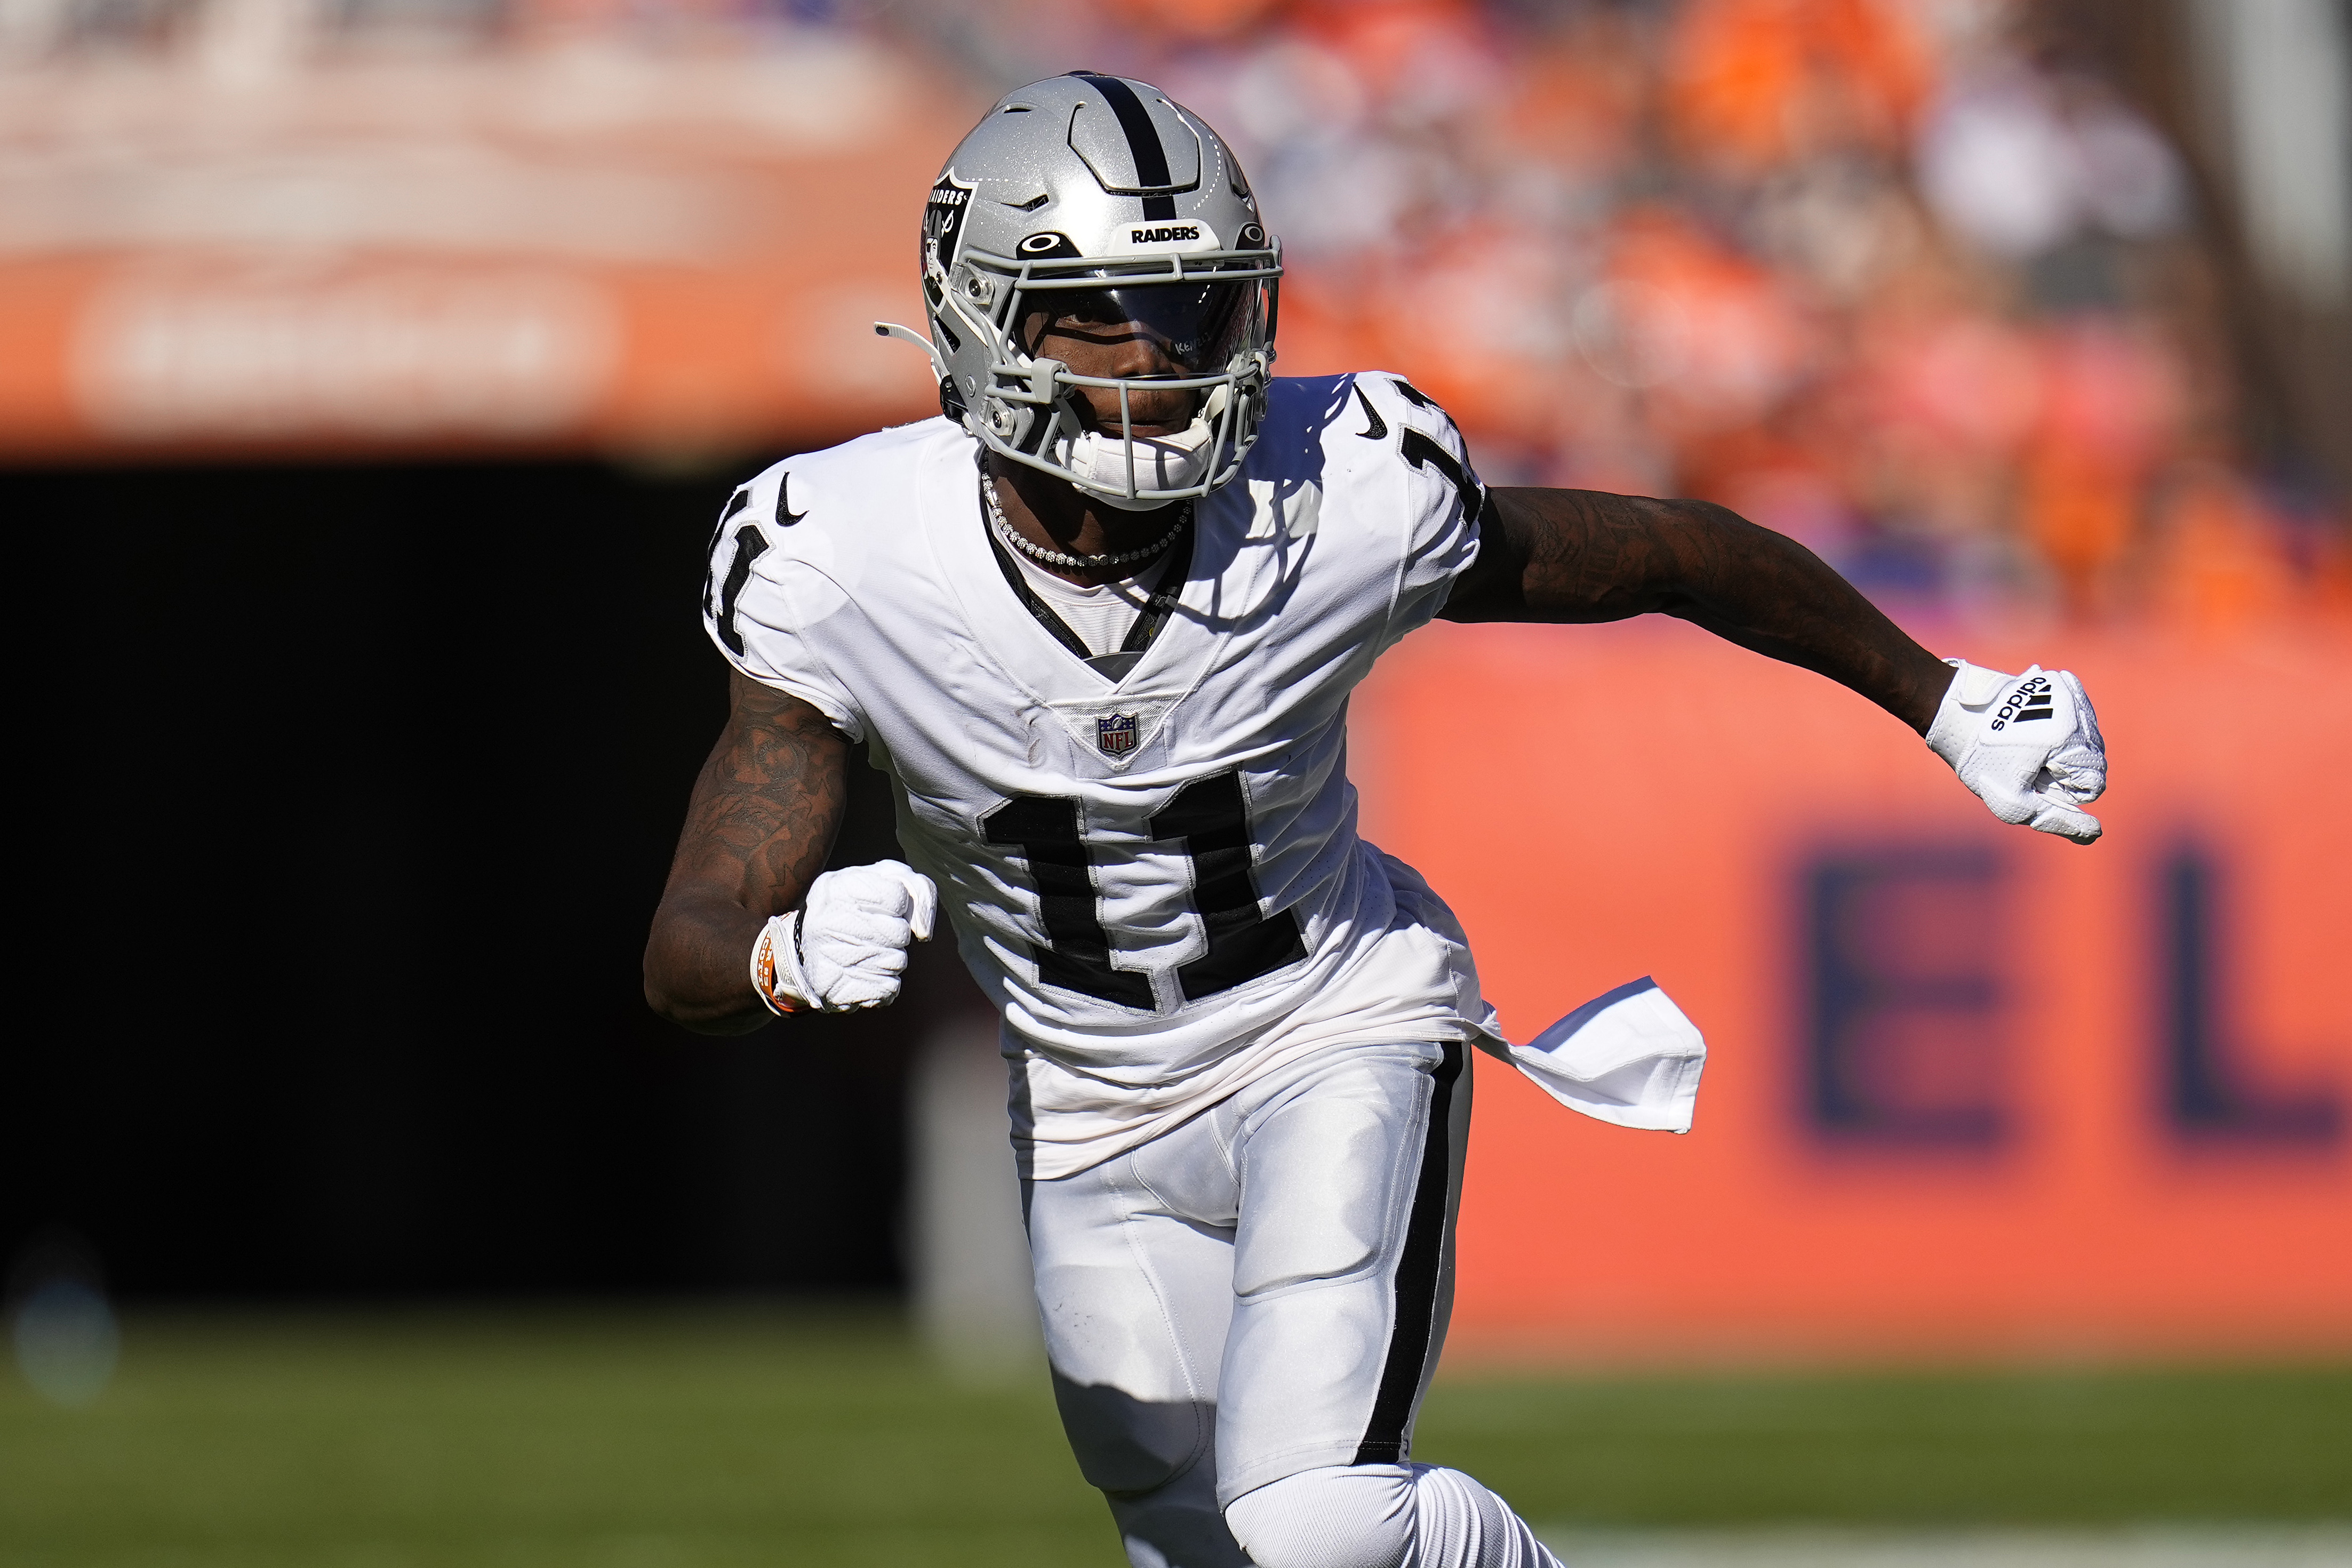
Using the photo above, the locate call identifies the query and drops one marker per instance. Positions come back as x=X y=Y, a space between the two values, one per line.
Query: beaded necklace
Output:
x=1006 y=532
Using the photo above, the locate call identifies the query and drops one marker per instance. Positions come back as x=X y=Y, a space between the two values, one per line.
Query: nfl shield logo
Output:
x=1115 y=734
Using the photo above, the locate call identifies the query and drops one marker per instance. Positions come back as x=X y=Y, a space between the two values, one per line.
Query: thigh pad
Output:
x=1326 y=1177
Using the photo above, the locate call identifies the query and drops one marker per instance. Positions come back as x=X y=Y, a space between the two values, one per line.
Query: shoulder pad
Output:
x=1423 y=435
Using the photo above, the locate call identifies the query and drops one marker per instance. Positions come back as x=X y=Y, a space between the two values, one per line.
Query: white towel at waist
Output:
x=1628 y=1056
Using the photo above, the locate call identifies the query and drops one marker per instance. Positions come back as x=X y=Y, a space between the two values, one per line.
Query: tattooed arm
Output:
x=1584 y=555
x=757 y=832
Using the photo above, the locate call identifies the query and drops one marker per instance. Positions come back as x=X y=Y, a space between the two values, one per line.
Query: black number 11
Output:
x=1212 y=817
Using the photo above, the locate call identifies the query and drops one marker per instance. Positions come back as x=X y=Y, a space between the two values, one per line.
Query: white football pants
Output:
x=1242 y=1315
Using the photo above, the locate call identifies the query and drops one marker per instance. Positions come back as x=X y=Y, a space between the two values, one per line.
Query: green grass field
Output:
x=656 y=1438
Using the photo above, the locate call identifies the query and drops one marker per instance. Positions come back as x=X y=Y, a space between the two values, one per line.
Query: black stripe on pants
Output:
x=1416 y=1275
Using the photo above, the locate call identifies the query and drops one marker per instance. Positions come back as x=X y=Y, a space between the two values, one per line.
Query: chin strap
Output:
x=952 y=402
x=908 y=335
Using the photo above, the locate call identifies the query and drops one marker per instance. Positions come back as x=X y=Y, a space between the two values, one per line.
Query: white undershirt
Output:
x=1101 y=616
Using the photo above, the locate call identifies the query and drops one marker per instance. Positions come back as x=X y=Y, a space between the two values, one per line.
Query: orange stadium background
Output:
x=1957 y=1102
x=372 y=375
x=1974 y=299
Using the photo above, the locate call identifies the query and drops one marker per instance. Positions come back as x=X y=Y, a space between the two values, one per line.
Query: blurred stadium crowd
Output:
x=1912 y=280
x=436 y=323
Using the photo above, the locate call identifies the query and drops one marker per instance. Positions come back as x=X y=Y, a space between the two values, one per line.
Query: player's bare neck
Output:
x=1057 y=515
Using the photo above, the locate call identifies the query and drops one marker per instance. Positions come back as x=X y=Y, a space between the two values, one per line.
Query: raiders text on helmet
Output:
x=1099 y=195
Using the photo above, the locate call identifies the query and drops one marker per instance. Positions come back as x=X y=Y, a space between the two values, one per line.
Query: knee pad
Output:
x=1128 y=1445
x=1382 y=1516
x=1355 y=1516
x=1457 y=1523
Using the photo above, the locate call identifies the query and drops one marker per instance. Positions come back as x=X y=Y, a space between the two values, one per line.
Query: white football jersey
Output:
x=1157 y=878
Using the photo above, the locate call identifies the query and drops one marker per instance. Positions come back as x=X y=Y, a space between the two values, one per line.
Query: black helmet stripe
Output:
x=1143 y=141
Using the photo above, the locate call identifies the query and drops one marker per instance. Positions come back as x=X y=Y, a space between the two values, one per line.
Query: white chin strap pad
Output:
x=1099 y=462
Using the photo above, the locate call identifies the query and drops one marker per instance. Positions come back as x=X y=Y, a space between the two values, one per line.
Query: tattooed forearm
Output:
x=767 y=802
x=1584 y=555
x=762 y=821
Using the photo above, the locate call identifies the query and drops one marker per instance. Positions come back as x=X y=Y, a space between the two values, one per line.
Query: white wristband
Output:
x=1972 y=691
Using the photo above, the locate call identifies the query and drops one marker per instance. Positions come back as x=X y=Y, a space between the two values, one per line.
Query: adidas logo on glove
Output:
x=2042 y=778
x=2035 y=695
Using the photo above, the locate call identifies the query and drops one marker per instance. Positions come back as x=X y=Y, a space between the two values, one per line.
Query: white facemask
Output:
x=1161 y=462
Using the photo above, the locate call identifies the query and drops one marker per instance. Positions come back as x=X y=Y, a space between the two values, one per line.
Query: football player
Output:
x=1098 y=623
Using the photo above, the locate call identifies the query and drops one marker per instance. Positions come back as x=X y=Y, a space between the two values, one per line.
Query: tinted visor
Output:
x=1200 y=325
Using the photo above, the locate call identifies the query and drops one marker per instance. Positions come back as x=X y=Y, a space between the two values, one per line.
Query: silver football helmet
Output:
x=1099 y=197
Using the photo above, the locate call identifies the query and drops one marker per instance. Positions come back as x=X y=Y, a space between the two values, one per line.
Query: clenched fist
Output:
x=2027 y=744
x=845 y=947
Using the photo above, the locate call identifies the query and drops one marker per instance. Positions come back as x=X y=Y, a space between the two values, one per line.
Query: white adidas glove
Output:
x=844 y=949
x=2027 y=744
